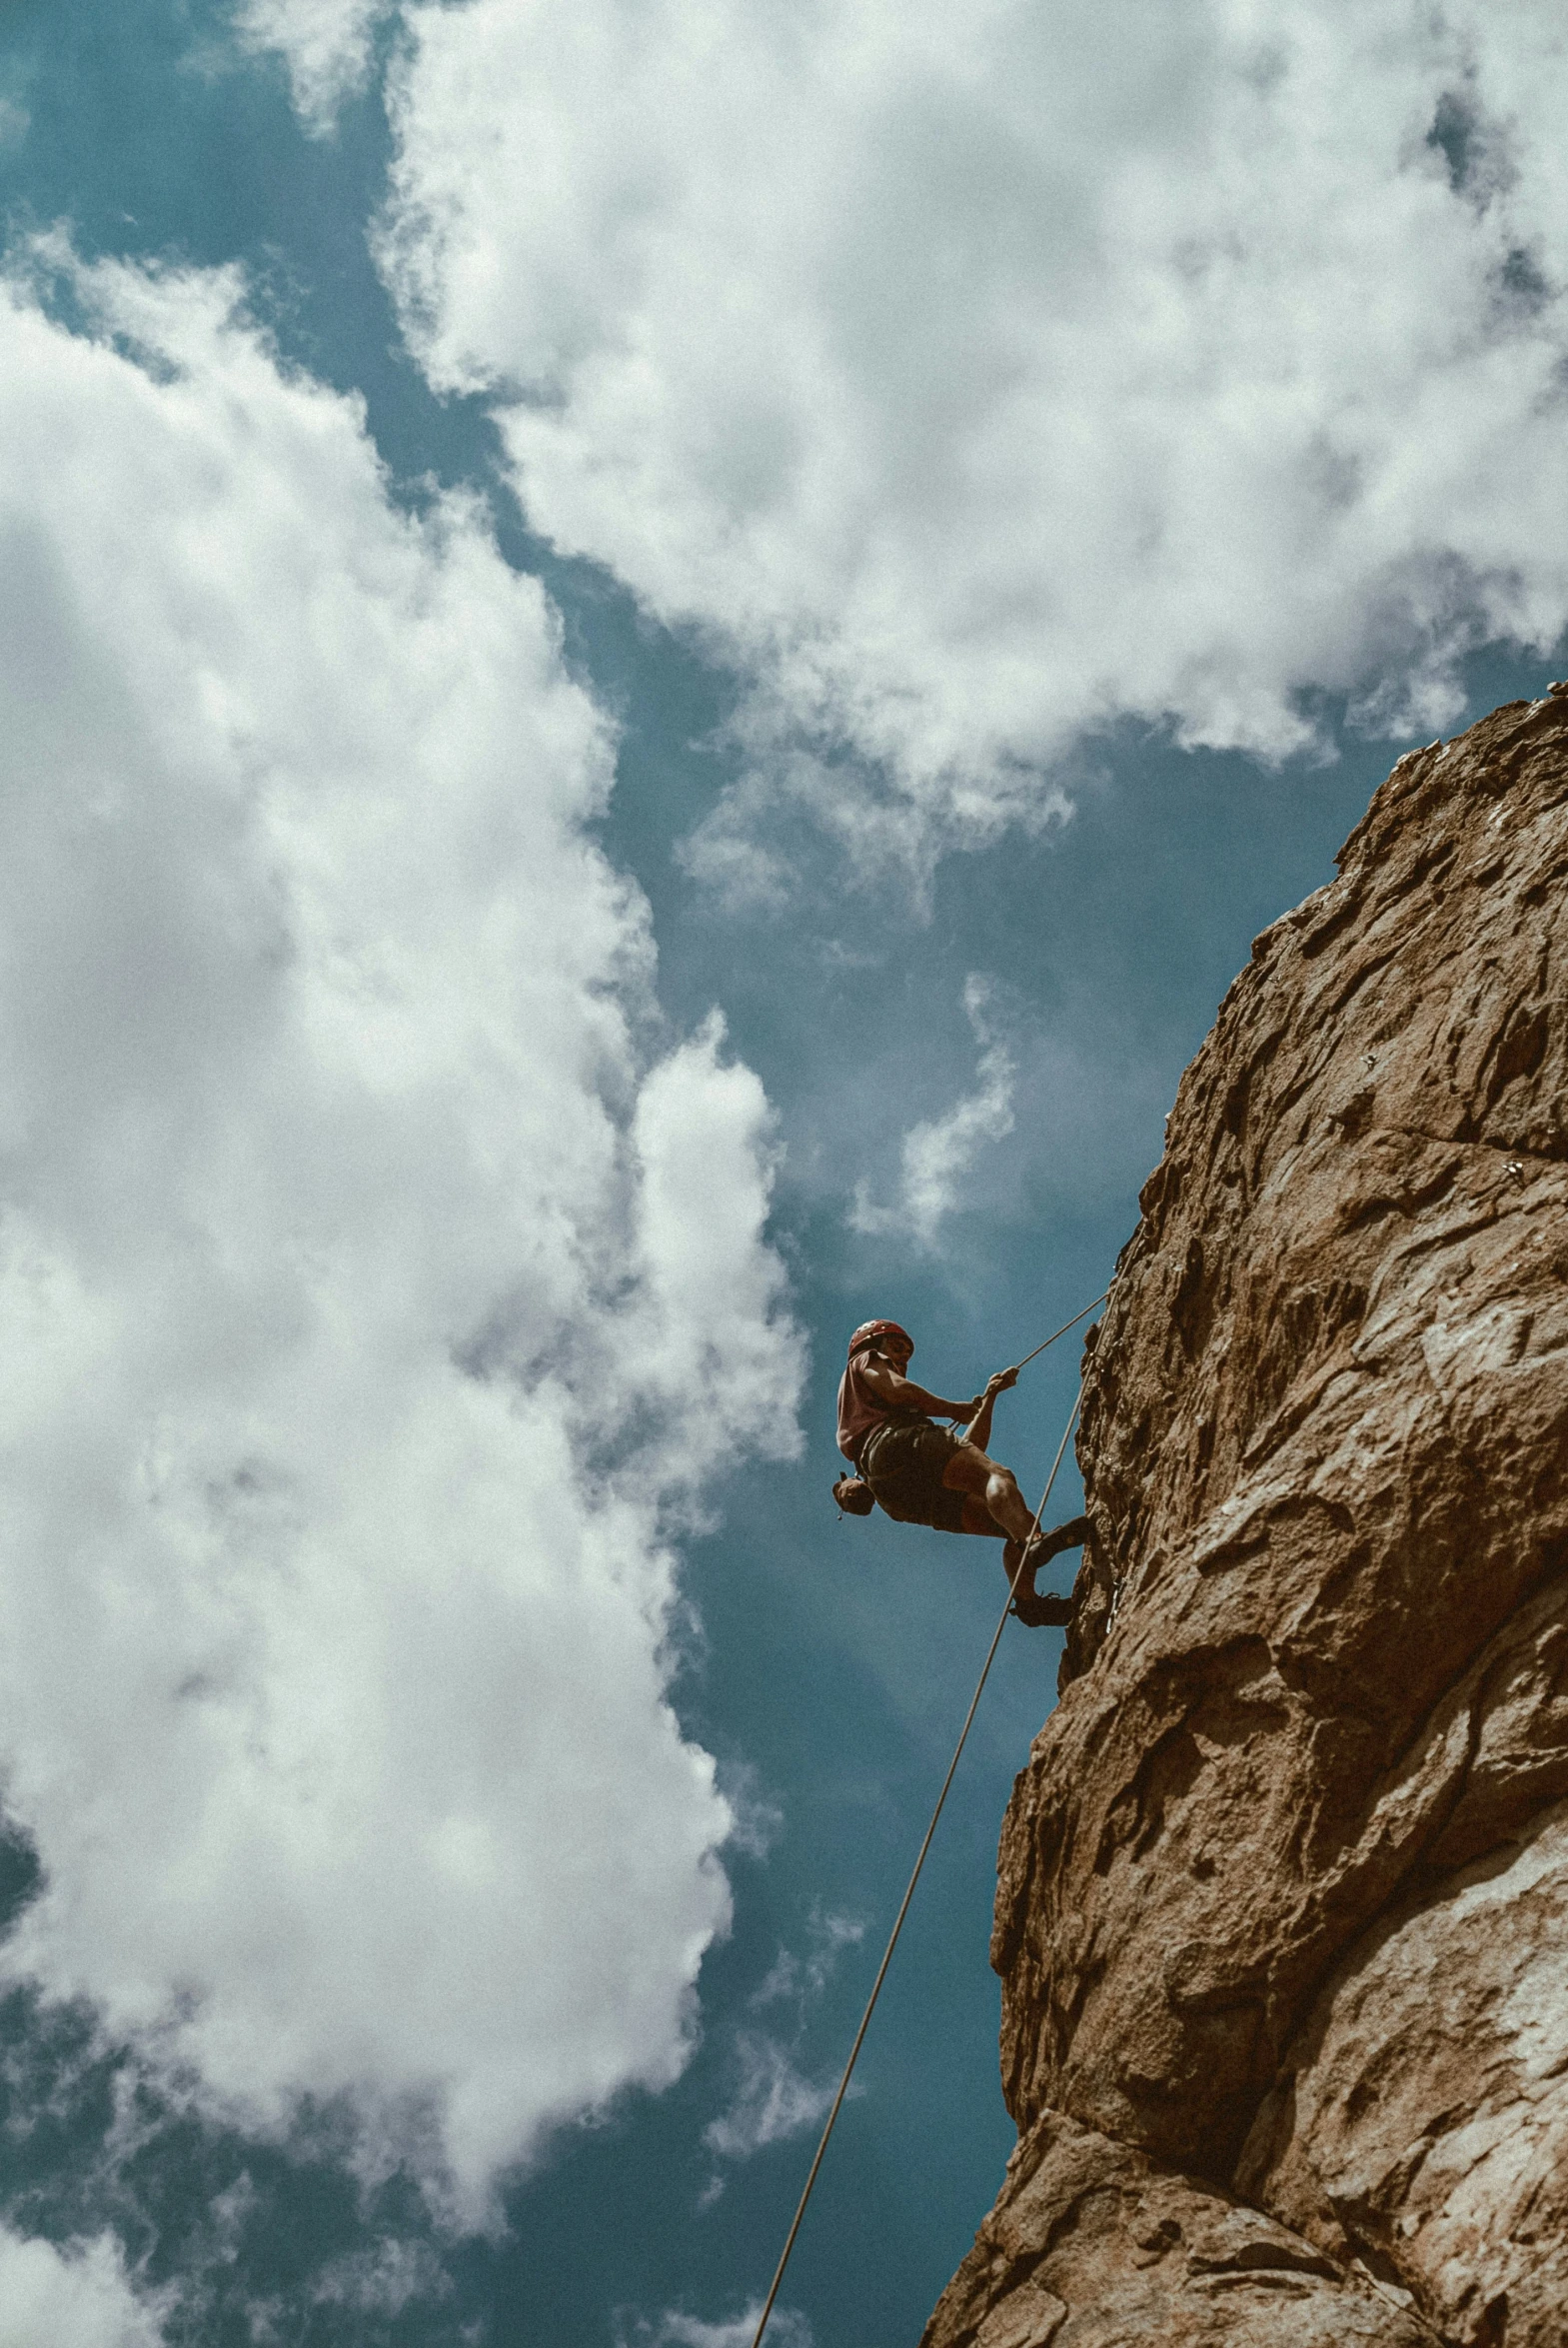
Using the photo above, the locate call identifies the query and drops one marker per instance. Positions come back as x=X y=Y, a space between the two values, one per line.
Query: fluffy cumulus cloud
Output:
x=972 y=378
x=73 y=2298
x=325 y=45
x=377 y=1288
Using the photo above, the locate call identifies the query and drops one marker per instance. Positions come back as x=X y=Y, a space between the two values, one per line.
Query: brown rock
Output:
x=1285 y=1870
x=1092 y=2246
x=1419 y=2128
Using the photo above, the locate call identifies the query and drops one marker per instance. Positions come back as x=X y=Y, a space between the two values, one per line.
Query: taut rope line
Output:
x=1061 y=1332
x=892 y=1940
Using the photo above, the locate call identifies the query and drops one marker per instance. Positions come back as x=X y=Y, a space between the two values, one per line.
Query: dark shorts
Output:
x=904 y=1467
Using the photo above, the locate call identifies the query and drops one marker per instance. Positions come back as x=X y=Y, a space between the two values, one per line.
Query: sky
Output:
x=655 y=663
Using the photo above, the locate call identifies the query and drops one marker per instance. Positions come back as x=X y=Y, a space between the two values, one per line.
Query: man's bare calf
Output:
x=992 y=1503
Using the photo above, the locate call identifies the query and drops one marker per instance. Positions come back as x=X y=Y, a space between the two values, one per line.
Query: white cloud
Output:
x=758 y=1821
x=971 y=378
x=772 y=2097
x=798 y=1979
x=938 y=1152
x=76 y=2298
x=370 y=1311
x=786 y=2327
x=325 y=45
x=384 y=2279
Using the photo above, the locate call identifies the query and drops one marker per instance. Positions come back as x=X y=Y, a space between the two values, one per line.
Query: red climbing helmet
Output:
x=870 y=1330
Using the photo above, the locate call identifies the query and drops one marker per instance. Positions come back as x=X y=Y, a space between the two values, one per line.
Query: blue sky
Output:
x=657 y=663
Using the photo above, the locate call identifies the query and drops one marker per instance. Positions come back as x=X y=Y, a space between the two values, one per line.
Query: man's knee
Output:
x=1000 y=1484
x=968 y=1469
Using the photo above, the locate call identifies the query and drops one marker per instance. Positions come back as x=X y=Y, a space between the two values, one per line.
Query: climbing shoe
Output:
x=1043 y=1548
x=1070 y=1535
x=1042 y=1610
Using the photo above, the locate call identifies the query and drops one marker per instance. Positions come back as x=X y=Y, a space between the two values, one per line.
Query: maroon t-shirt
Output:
x=858 y=1409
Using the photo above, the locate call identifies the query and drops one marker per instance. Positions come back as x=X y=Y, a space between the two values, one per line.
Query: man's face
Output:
x=897 y=1351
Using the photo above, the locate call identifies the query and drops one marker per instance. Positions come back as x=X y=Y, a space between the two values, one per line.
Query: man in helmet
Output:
x=922 y=1473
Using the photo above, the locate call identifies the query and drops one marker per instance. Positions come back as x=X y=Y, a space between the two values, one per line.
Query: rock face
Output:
x=1283 y=1910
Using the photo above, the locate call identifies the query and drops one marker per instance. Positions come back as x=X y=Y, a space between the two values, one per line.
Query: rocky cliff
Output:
x=1282 y=1910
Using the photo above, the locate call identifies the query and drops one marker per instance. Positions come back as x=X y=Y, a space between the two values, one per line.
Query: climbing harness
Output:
x=892 y=1939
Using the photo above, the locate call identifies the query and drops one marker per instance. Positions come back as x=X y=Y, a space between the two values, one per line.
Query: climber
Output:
x=921 y=1473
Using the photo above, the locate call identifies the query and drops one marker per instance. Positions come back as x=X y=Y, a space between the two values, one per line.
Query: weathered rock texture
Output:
x=1282 y=1913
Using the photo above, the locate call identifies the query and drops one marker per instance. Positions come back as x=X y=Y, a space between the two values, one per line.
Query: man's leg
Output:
x=993 y=1503
x=994 y=1487
x=1041 y=1607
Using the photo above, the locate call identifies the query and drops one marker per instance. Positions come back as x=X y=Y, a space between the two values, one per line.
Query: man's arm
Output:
x=901 y=1394
x=979 y=1431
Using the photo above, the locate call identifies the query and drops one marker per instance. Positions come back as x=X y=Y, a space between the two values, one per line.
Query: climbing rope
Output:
x=892 y=1939
x=1050 y=1341
x=1061 y=1332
